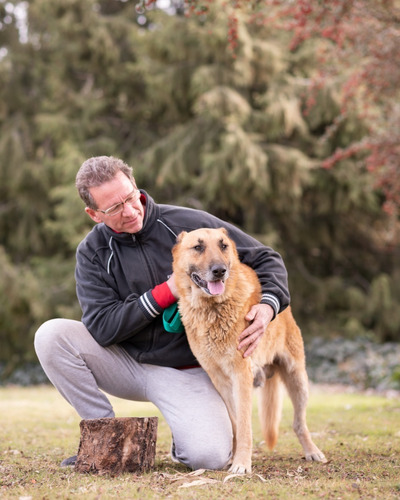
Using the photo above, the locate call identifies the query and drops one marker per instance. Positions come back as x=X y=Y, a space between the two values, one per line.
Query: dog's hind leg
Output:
x=296 y=382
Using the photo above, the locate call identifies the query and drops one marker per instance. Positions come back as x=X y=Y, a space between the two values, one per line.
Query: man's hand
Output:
x=172 y=286
x=259 y=316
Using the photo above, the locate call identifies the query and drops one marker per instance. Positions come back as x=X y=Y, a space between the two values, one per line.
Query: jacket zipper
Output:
x=154 y=333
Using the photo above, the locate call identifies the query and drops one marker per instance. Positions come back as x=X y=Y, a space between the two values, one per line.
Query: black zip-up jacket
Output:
x=115 y=274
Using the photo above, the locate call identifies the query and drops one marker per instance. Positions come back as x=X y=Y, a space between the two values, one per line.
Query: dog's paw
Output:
x=316 y=456
x=240 y=469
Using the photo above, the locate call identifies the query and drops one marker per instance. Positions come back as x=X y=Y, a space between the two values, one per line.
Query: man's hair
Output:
x=96 y=171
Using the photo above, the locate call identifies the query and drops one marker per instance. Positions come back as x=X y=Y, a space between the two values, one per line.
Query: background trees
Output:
x=245 y=134
x=358 y=47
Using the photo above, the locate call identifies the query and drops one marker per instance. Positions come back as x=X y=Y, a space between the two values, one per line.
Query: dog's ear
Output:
x=180 y=236
x=224 y=230
x=177 y=242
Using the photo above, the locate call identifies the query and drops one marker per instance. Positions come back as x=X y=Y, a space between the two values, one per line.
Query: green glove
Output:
x=172 y=319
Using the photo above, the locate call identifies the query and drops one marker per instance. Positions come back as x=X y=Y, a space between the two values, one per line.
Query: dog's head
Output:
x=206 y=257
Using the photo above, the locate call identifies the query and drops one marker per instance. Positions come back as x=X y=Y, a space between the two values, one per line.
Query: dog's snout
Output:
x=218 y=271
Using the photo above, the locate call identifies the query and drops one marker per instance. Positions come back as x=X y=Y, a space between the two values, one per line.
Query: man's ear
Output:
x=92 y=214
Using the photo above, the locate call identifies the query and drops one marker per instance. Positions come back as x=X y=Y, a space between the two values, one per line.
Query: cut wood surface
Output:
x=116 y=445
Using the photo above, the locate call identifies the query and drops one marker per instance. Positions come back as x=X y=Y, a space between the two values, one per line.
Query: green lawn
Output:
x=359 y=434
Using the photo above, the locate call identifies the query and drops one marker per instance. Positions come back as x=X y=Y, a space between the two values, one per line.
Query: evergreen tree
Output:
x=252 y=150
x=233 y=132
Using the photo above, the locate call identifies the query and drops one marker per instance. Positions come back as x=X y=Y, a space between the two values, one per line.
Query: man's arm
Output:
x=109 y=318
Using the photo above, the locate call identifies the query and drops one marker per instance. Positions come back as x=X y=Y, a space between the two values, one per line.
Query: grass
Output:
x=360 y=435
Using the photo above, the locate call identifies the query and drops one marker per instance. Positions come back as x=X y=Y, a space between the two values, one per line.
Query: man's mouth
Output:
x=131 y=221
x=209 y=287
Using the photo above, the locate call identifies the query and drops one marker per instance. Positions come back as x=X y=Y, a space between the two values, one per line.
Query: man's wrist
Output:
x=273 y=301
x=163 y=295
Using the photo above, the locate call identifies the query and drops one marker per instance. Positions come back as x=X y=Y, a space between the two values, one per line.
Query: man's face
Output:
x=130 y=219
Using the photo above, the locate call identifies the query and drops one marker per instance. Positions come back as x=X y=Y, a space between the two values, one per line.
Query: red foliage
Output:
x=362 y=34
x=233 y=32
x=366 y=34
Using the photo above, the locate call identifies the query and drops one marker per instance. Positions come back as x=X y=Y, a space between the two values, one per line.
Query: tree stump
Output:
x=115 y=445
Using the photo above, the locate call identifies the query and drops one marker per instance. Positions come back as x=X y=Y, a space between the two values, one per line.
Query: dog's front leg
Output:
x=243 y=391
x=236 y=389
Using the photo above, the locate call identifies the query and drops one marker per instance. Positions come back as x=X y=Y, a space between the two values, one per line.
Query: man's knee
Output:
x=211 y=458
x=51 y=338
x=210 y=454
x=46 y=335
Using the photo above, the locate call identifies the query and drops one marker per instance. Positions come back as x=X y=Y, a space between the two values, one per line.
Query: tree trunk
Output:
x=115 y=445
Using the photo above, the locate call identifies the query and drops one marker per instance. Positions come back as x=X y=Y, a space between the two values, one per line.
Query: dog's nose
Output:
x=218 y=271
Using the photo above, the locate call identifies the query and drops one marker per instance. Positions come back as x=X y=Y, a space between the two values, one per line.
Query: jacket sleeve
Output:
x=109 y=319
x=269 y=266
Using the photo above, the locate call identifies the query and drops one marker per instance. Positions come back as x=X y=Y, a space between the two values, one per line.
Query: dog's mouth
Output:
x=209 y=287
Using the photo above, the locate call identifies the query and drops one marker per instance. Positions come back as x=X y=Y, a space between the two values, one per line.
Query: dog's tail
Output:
x=270 y=398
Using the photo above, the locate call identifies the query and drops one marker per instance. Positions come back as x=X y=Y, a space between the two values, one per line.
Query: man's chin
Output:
x=132 y=227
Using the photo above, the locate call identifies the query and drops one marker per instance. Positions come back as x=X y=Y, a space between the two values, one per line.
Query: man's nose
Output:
x=128 y=209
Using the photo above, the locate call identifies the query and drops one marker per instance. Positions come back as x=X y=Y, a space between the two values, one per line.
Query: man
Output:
x=124 y=284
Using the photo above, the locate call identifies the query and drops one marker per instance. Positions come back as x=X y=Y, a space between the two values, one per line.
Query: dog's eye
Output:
x=222 y=245
x=198 y=248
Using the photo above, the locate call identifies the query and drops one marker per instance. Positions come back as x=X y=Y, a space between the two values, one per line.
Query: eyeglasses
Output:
x=116 y=209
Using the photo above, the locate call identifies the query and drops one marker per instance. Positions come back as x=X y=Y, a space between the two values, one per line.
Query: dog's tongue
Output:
x=216 y=287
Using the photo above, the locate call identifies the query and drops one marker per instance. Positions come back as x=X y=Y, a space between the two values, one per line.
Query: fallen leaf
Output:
x=197 y=472
x=199 y=482
x=261 y=478
x=231 y=476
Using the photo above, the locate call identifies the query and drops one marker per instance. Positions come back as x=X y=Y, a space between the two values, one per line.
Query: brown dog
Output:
x=216 y=291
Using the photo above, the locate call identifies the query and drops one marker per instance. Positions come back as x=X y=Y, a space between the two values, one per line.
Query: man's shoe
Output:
x=69 y=462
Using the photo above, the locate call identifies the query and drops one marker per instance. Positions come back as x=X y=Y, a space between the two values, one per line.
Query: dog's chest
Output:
x=214 y=330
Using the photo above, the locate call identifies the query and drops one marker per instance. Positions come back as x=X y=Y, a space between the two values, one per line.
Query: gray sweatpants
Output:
x=78 y=367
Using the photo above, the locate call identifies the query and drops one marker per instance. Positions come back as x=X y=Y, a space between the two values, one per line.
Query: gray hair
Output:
x=96 y=171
